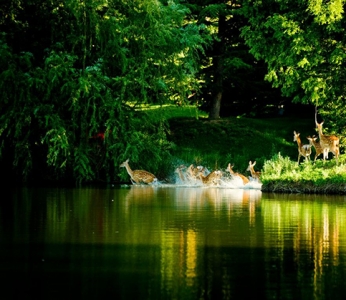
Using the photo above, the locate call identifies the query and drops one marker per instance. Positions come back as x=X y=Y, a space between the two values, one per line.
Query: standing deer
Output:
x=303 y=150
x=230 y=170
x=254 y=174
x=329 y=143
x=317 y=146
x=138 y=176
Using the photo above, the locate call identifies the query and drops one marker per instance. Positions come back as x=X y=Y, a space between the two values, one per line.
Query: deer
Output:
x=254 y=174
x=329 y=143
x=230 y=170
x=192 y=172
x=178 y=171
x=317 y=145
x=212 y=178
x=303 y=150
x=138 y=176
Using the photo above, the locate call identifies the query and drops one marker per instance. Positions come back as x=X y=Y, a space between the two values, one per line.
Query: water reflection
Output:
x=153 y=242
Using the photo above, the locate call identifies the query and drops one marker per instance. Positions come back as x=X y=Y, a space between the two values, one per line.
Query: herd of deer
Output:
x=192 y=174
x=326 y=144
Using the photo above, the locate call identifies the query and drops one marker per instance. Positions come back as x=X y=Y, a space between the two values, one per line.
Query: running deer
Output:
x=303 y=150
x=138 y=176
x=192 y=172
x=317 y=145
x=180 y=173
x=329 y=143
x=254 y=174
x=230 y=170
x=212 y=178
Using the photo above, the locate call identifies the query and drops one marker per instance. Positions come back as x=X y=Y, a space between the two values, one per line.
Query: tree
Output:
x=70 y=90
x=303 y=44
x=232 y=78
x=214 y=15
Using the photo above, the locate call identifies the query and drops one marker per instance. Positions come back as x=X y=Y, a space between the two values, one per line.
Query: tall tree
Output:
x=227 y=56
x=303 y=44
x=72 y=74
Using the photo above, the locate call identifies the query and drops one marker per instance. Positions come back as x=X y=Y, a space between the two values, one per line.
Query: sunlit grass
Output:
x=283 y=168
x=168 y=111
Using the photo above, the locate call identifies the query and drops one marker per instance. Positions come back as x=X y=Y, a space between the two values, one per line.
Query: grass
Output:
x=237 y=140
x=166 y=112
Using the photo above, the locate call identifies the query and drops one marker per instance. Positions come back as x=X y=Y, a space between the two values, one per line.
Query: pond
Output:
x=171 y=242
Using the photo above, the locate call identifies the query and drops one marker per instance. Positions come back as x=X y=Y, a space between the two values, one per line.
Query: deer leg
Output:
x=325 y=154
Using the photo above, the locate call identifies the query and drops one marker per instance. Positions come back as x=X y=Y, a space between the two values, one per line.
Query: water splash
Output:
x=230 y=182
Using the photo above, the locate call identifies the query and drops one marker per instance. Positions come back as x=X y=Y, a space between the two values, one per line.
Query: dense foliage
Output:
x=75 y=76
x=232 y=80
x=72 y=74
x=303 y=44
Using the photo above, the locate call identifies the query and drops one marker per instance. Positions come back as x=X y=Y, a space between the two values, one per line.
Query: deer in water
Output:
x=212 y=178
x=180 y=173
x=192 y=172
x=329 y=143
x=138 y=176
x=254 y=174
x=303 y=150
x=230 y=170
x=318 y=149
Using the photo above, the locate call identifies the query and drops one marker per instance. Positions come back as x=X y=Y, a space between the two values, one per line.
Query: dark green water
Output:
x=171 y=242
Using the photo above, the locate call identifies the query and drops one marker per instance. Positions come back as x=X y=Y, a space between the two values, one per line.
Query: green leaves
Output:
x=71 y=95
x=326 y=12
x=304 y=47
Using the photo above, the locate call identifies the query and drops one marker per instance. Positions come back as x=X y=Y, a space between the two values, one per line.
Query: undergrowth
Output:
x=281 y=174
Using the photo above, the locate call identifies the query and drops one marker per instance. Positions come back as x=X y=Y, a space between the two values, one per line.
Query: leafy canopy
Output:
x=69 y=93
x=303 y=44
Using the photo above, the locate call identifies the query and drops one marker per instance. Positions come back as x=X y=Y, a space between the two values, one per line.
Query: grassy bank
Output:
x=268 y=141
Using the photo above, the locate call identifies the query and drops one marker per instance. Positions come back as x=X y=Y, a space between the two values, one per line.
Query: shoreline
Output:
x=305 y=188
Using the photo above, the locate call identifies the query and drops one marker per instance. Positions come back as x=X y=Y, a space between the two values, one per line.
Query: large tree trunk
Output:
x=217 y=89
x=218 y=71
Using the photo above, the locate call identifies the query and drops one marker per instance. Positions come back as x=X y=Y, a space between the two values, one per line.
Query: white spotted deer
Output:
x=329 y=143
x=254 y=174
x=318 y=149
x=138 y=176
x=192 y=172
x=303 y=150
x=180 y=173
x=230 y=170
x=212 y=178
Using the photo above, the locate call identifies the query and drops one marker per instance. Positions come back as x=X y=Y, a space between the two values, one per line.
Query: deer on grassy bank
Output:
x=318 y=149
x=329 y=143
x=243 y=178
x=254 y=174
x=303 y=150
x=138 y=176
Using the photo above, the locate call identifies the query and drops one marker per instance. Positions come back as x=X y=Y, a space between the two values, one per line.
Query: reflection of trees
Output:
x=308 y=228
x=197 y=238
x=174 y=222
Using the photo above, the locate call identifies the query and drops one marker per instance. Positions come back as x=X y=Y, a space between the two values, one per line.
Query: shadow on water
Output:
x=172 y=242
